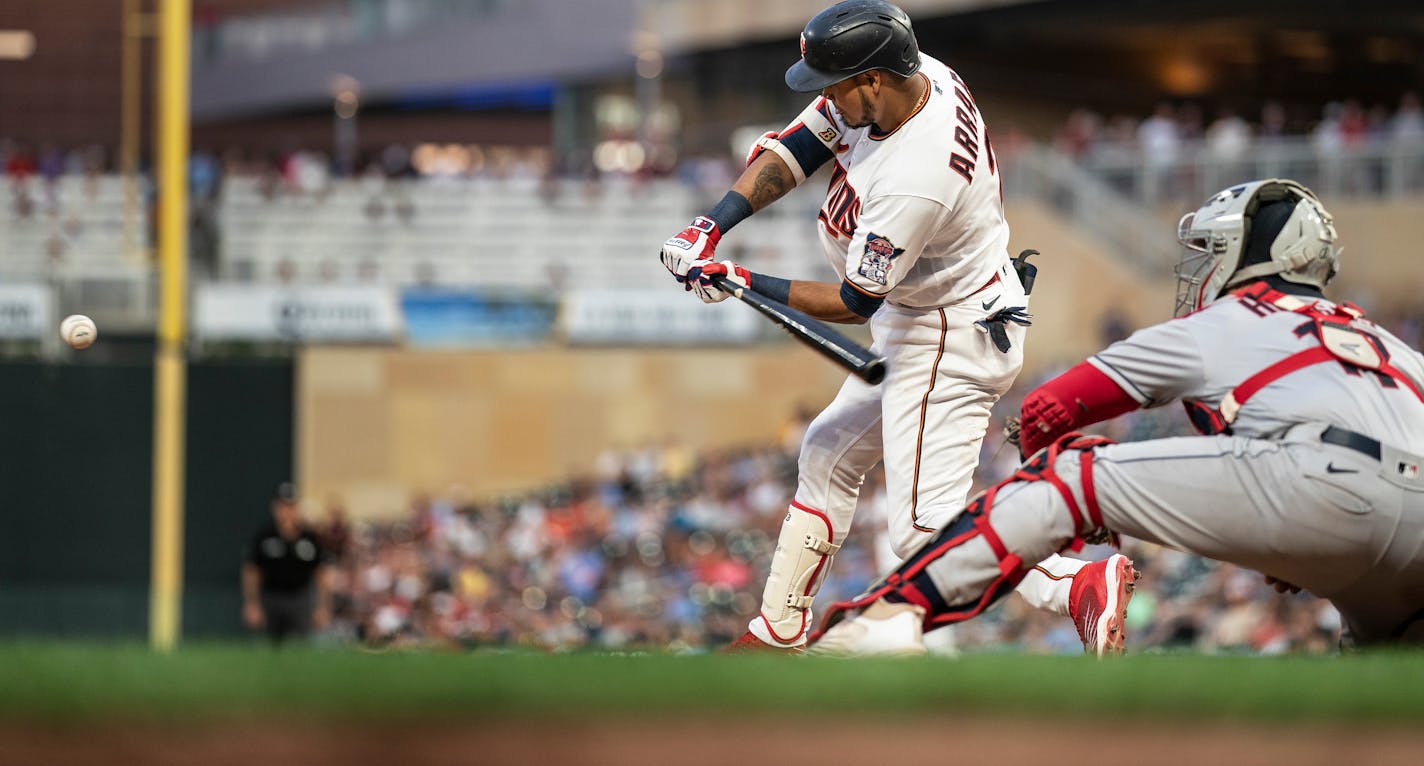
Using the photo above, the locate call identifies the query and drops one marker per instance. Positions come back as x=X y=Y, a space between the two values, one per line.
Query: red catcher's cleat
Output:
x=750 y=644
x=1098 y=601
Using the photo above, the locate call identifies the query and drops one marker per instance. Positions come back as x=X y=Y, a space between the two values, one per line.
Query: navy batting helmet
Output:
x=850 y=38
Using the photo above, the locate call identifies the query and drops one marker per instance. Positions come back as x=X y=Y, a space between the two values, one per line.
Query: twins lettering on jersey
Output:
x=841 y=212
x=880 y=253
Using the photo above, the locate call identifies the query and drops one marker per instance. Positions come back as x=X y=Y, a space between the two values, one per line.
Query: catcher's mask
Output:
x=1271 y=226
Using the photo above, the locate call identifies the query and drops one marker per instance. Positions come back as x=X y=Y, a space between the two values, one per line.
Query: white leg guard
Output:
x=1046 y=586
x=799 y=565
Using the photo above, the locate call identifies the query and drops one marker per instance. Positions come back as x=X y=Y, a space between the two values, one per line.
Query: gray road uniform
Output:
x=1308 y=469
x=1341 y=516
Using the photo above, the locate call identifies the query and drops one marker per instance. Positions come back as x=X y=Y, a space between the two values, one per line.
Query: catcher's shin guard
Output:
x=911 y=582
x=803 y=556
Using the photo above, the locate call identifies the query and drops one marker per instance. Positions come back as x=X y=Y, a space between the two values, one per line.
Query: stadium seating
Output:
x=517 y=234
x=524 y=234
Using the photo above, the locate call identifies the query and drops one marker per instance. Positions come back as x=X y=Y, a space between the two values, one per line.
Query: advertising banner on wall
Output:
x=305 y=313
x=655 y=317
x=27 y=312
x=452 y=317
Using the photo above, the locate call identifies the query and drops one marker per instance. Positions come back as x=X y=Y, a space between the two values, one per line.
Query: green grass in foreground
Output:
x=89 y=681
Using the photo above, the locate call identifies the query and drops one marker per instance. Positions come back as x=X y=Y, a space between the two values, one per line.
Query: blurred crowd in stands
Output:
x=31 y=173
x=1354 y=148
x=1340 y=126
x=666 y=549
x=1174 y=131
x=1173 y=156
x=1170 y=160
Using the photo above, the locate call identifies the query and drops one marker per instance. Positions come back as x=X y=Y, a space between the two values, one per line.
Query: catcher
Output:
x=1307 y=469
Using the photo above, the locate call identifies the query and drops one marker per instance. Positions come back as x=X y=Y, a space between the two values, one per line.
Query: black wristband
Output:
x=775 y=288
x=730 y=211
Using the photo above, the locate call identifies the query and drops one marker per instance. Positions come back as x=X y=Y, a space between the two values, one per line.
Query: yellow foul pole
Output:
x=170 y=374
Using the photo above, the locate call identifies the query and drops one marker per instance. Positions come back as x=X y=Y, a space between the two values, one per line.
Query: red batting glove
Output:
x=701 y=277
x=698 y=242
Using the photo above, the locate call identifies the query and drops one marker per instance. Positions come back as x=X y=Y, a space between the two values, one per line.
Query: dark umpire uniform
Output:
x=283 y=584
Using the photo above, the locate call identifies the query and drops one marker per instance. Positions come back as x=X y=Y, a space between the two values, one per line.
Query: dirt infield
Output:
x=713 y=741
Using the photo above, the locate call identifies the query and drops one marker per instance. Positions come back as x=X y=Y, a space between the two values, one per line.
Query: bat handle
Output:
x=727 y=286
x=873 y=371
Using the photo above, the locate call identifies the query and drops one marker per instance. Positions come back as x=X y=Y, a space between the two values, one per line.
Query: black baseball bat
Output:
x=834 y=346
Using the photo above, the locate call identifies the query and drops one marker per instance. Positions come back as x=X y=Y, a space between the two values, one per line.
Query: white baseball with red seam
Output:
x=78 y=331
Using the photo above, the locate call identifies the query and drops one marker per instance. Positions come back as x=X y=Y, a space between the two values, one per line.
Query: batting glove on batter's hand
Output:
x=700 y=277
x=696 y=243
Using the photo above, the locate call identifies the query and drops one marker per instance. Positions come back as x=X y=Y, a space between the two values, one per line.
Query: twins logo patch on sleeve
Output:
x=879 y=253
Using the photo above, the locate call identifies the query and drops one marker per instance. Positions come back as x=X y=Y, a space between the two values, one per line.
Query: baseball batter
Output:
x=1309 y=469
x=913 y=224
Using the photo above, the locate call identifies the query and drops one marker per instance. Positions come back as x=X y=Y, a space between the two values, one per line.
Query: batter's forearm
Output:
x=765 y=181
x=823 y=301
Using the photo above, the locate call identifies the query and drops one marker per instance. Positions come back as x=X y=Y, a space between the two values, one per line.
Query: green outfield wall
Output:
x=75 y=468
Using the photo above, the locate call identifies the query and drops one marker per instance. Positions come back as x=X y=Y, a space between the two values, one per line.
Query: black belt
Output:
x=1357 y=442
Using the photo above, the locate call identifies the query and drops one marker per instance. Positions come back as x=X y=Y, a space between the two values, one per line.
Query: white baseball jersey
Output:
x=1207 y=354
x=914 y=216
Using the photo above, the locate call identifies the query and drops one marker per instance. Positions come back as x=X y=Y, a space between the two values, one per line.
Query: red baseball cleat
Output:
x=1098 y=601
x=749 y=644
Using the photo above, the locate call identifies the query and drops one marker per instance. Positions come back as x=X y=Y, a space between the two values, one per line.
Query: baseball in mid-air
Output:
x=78 y=331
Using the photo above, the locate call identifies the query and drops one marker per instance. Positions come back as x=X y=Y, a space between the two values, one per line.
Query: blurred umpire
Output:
x=285 y=582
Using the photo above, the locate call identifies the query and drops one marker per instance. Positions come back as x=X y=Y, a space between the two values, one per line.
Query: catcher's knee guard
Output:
x=911 y=582
x=803 y=556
